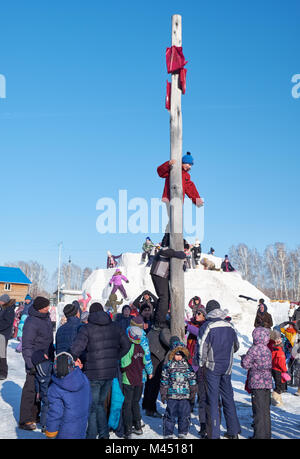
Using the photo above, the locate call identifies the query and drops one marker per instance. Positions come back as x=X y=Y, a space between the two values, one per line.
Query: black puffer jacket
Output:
x=37 y=336
x=104 y=342
x=7 y=315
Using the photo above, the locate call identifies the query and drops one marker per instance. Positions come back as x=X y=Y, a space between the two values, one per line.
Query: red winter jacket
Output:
x=188 y=187
x=278 y=357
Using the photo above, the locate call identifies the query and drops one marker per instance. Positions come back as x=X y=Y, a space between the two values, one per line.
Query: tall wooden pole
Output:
x=176 y=207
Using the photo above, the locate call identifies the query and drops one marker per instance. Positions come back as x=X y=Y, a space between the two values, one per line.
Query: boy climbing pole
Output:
x=188 y=187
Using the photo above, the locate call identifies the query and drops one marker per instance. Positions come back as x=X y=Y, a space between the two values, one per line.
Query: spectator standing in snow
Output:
x=132 y=368
x=259 y=361
x=279 y=368
x=27 y=303
x=43 y=373
x=116 y=280
x=67 y=332
x=37 y=335
x=69 y=398
x=7 y=317
x=217 y=341
x=146 y=298
x=105 y=344
x=263 y=318
x=178 y=387
x=296 y=359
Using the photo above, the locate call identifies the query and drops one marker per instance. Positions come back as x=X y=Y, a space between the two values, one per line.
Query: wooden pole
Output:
x=176 y=207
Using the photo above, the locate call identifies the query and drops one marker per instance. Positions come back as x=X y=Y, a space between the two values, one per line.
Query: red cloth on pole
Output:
x=182 y=79
x=175 y=59
x=168 y=96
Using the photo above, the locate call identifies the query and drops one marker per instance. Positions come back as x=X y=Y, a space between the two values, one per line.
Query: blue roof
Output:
x=13 y=275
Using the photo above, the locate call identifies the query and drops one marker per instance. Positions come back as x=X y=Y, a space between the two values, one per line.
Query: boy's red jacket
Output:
x=278 y=358
x=188 y=187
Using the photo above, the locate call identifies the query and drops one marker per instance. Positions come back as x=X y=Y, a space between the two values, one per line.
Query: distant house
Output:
x=67 y=296
x=14 y=282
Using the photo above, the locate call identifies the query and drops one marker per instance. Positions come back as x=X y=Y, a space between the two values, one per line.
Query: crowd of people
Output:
x=92 y=375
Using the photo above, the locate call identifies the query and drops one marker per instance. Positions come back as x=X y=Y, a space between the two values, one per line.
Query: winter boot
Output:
x=202 y=431
x=137 y=428
x=276 y=399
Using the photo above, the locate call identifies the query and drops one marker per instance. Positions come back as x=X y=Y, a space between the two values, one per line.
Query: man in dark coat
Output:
x=160 y=274
x=7 y=316
x=146 y=298
x=226 y=266
x=67 y=332
x=263 y=318
x=159 y=344
x=37 y=336
x=105 y=343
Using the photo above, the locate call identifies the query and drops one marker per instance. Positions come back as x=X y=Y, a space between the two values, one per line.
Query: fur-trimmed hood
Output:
x=179 y=347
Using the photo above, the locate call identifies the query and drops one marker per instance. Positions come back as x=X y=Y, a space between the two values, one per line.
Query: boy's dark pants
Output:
x=29 y=408
x=261 y=400
x=177 y=409
x=279 y=386
x=131 y=407
x=152 y=385
x=161 y=286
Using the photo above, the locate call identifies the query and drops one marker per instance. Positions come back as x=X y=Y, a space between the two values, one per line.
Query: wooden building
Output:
x=14 y=282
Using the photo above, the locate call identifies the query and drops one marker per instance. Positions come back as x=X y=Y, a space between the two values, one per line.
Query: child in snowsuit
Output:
x=278 y=366
x=178 y=387
x=117 y=281
x=42 y=379
x=69 y=398
x=259 y=361
x=148 y=246
x=132 y=368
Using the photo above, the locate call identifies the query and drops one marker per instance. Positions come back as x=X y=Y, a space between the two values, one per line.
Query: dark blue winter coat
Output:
x=66 y=334
x=217 y=341
x=69 y=403
x=104 y=342
x=37 y=335
x=7 y=316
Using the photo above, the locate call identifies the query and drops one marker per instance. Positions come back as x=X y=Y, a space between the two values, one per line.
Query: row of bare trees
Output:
x=275 y=271
x=72 y=277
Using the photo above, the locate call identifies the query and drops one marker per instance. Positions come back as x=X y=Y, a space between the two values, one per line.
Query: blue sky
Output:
x=84 y=117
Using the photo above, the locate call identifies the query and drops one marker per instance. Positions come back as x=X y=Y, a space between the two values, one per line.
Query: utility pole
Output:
x=58 y=272
x=176 y=201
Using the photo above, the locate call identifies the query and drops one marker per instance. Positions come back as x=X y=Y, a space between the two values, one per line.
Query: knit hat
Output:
x=38 y=357
x=135 y=334
x=211 y=305
x=40 y=302
x=137 y=321
x=199 y=309
x=96 y=307
x=173 y=341
x=179 y=347
x=126 y=306
x=63 y=364
x=5 y=298
x=28 y=297
x=274 y=335
x=188 y=159
x=70 y=310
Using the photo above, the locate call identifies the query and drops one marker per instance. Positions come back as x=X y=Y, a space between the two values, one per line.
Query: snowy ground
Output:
x=285 y=420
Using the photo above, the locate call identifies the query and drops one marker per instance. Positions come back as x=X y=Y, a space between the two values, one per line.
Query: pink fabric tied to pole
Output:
x=168 y=96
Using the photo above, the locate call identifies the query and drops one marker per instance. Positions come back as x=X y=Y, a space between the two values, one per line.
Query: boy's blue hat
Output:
x=28 y=297
x=188 y=159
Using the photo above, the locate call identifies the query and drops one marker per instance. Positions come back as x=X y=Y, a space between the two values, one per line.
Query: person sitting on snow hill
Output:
x=226 y=265
x=188 y=187
x=196 y=253
x=279 y=370
x=69 y=397
x=263 y=318
x=178 y=388
x=194 y=303
x=111 y=261
x=208 y=265
x=117 y=281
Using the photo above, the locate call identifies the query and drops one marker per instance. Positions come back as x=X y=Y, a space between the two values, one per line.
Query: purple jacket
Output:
x=259 y=360
x=117 y=279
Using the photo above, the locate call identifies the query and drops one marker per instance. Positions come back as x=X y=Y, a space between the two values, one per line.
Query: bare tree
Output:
x=36 y=273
